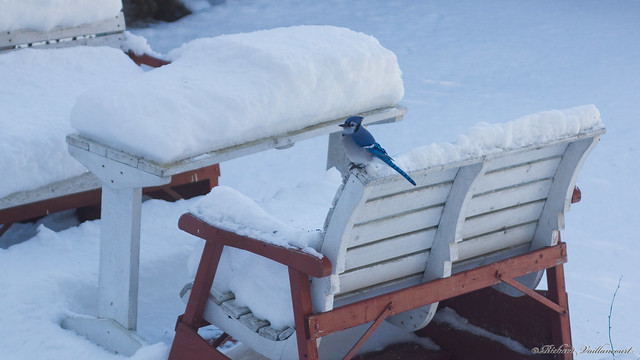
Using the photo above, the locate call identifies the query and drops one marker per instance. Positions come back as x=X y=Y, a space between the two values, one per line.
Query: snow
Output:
x=259 y=283
x=484 y=139
x=224 y=91
x=44 y=15
x=449 y=316
x=39 y=88
x=463 y=63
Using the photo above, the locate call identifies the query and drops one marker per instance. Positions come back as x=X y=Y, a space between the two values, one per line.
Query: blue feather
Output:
x=377 y=151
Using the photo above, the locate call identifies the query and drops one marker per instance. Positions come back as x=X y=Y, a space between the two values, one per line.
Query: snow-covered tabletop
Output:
x=234 y=89
x=39 y=88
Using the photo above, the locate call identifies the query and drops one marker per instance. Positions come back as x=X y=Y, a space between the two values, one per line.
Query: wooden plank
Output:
x=513 y=196
x=494 y=221
x=393 y=226
x=508 y=177
x=542 y=152
x=427 y=177
x=83 y=182
x=382 y=272
x=216 y=156
x=365 y=311
x=20 y=37
x=487 y=259
x=389 y=248
x=498 y=240
x=413 y=199
x=344 y=298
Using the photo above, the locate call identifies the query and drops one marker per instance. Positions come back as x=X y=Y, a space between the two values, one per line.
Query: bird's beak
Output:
x=343 y=125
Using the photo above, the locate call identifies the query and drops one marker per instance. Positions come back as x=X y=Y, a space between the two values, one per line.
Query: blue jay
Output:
x=362 y=148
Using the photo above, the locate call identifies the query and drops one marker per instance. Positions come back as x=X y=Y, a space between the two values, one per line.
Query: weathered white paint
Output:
x=107 y=32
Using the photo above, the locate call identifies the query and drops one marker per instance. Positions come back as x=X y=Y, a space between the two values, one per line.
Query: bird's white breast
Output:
x=354 y=152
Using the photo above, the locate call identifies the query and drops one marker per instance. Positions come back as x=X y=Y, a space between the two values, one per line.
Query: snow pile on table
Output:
x=223 y=91
x=44 y=15
x=486 y=139
x=39 y=88
x=292 y=217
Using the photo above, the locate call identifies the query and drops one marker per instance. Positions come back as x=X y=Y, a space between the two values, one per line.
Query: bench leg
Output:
x=301 y=298
x=4 y=228
x=188 y=344
x=560 y=325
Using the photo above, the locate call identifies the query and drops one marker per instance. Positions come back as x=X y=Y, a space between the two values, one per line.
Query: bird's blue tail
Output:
x=387 y=160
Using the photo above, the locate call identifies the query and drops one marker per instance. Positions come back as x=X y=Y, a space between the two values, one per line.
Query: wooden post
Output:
x=114 y=327
x=560 y=325
x=301 y=298
x=119 y=255
x=335 y=153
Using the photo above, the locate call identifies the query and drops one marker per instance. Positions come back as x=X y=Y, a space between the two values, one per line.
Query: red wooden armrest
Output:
x=147 y=59
x=292 y=258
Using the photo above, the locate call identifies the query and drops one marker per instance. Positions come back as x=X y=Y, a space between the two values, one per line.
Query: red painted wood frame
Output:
x=187 y=344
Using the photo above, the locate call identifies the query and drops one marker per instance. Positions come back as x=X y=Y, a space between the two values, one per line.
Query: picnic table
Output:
x=193 y=120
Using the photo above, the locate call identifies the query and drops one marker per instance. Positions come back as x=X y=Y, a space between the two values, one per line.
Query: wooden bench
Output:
x=392 y=252
x=84 y=189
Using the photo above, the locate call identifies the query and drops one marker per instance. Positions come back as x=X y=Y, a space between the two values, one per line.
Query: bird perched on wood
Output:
x=361 y=148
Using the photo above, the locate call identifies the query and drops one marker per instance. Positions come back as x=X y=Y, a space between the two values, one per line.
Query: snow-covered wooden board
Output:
x=106 y=32
x=78 y=144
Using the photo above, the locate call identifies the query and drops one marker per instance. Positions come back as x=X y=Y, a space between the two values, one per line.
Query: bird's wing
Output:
x=376 y=150
x=363 y=137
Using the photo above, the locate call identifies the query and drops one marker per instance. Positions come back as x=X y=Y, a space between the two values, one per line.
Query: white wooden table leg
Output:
x=335 y=153
x=114 y=328
x=120 y=255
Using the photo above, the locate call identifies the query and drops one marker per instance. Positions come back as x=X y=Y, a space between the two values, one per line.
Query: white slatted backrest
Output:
x=108 y=32
x=384 y=234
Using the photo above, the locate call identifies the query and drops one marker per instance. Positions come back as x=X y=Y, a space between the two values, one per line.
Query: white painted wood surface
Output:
x=106 y=32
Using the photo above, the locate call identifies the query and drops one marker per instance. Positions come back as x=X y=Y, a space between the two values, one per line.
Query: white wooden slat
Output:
x=19 y=37
x=516 y=175
x=423 y=197
x=344 y=298
x=472 y=263
x=489 y=243
x=491 y=222
x=401 y=224
x=389 y=248
x=508 y=160
x=382 y=272
x=423 y=178
x=84 y=182
x=501 y=199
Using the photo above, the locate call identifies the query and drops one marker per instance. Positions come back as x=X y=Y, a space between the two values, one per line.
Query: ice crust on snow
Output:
x=44 y=15
x=230 y=89
x=39 y=88
x=224 y=207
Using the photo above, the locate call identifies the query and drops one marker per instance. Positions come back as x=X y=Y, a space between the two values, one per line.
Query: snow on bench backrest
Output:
x=30 y=23
x=500 y=192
